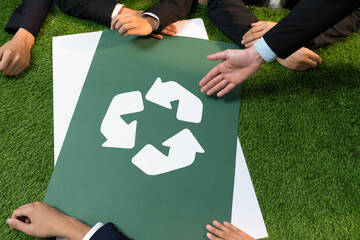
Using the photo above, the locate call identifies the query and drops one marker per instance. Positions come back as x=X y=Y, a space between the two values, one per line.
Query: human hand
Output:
x=170 y=30
x=41 y=220
x=301 y=60
x=15 y=54
x=129 y=24
x=236 y=66
x=226 y=231
x=257 y=30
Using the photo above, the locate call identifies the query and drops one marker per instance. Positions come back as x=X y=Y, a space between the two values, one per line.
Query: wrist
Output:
x=152 y=21
x=254 y=54
x=75 y=230
x=25 y=36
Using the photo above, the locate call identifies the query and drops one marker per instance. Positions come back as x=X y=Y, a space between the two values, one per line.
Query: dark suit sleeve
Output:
x=306 y=21
x=95 y=10
x=30 y=15
x=232 y=17
x=338 y=32
x=108 y=232
x=169 y=11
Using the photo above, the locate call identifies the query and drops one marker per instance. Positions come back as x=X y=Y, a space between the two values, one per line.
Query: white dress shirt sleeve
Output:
x=264 y=50
x=116 y=10
x=93 y=230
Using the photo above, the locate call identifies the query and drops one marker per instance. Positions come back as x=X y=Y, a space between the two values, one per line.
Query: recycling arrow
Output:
x=114 y=128
x=190 y=107
x=183 y=148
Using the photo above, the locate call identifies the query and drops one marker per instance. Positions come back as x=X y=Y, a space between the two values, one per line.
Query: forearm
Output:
x=30 y=15
x=232 y=17
x=169 y=11
x=296 y=28
x=338 y=32
x=73 y=229
x=95 y=10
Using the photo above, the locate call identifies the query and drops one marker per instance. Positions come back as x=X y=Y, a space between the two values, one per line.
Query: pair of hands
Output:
x=238 y=65
x=129 y=22
x=15 y=54
x=301 y=60
x=43 y=221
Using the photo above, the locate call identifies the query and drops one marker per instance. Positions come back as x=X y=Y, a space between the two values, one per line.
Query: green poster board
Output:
x=97 y=183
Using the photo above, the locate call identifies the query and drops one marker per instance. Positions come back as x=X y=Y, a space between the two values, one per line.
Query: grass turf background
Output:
x=300 y=132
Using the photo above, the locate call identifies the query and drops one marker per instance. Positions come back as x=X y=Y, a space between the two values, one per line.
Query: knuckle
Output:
x=14 y=224
x=35 y=205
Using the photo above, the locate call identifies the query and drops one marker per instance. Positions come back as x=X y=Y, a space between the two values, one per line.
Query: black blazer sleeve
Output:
x=169 y=11
x=95 y=10
x=108 y=232
x=30 y=15
x=232 y=17
x=308 y=19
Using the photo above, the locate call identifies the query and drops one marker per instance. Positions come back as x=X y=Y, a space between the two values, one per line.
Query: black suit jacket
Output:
x=233 y=18
x=108 y=232
x=31 y=14
x=308 y=19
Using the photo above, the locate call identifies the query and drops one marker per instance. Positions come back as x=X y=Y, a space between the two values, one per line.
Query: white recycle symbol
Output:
x=183 y=145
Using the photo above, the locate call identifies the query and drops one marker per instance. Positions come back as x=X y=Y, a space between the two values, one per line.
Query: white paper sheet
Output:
x=72 y=56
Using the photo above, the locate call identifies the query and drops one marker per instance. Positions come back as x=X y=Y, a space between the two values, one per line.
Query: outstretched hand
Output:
x=41 y=220
x=301 y=60
x=236 y=66
x=226 y=231
x=15 y=54
x=257 y=30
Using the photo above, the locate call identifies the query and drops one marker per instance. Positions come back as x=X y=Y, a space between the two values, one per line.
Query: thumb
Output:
x=313 y=56
x=257 y=23
x=18 y=225
x=218 y=56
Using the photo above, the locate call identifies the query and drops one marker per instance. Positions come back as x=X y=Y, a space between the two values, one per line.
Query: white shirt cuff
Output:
x=276 y=4
x=264 y=50
x=93 y=230
x=154 y=16
x=116 y=10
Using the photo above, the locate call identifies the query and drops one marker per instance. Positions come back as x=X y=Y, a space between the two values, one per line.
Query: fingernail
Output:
x=242 y=41
x=9 y=221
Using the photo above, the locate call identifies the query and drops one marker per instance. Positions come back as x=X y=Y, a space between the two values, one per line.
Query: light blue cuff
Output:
x=264 y=50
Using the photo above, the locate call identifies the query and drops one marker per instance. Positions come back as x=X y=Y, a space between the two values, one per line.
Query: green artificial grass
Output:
x=300 y=132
